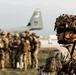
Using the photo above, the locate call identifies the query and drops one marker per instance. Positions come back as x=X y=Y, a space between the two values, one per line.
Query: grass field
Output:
x=42 y=55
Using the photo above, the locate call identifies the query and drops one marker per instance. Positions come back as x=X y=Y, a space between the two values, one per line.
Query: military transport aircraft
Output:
x=35 y=23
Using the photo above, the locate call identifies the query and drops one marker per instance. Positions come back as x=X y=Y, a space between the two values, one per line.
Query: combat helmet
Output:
x=34 y=34
x=16 y=34
x=65 y=22
x=27 y=31
x=4 y=33
x=9 y=33
x=22 y=34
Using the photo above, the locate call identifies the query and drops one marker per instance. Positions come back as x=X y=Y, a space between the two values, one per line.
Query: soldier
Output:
x=15 y=49
x=28 y=38
x=23 y=52
x=5 y=40
x=2 y=55
x=34 y=51
x=66 y=35
x=58 y=61
x=10 y=41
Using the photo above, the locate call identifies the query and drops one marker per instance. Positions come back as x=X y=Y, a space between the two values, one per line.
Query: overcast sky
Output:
x=16 y=13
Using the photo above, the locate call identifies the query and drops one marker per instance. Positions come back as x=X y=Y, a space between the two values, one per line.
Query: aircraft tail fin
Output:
x=35 y=22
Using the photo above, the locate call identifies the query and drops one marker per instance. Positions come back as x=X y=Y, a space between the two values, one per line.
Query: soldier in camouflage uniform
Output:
x=34 y=51
x=10 y=41
x=24 y=48
x=5 y=41
x=2 y=55
x=27 y=37
x=15 y=49
x=59 y=61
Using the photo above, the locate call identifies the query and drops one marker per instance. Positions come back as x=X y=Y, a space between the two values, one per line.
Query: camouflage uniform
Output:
x=23 y=54
x=15 y=49
x=34 y=51
x=59 y=61
x=5 y=41
x=2 y=55
x=27 y=37
x=10 y=41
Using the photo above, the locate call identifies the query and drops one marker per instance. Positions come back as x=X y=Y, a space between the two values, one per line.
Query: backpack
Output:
x=24 y=46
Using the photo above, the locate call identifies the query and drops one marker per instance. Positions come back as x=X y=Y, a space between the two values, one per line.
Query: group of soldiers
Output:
x=22 y=48
x=62 y=60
